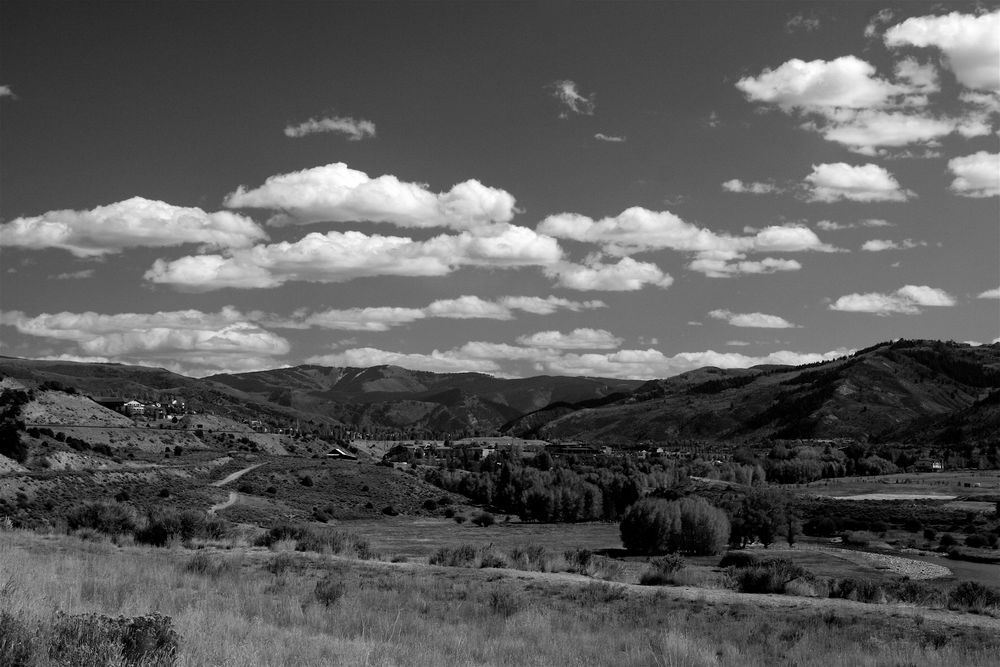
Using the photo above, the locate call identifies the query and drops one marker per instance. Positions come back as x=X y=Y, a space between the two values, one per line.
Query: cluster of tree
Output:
x=11 y=402
x=690 y=525
x=565 y=489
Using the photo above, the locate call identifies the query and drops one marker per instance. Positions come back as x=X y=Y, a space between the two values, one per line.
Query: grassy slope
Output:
x=240 y=613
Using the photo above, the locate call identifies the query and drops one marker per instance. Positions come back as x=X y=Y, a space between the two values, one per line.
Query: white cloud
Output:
x=610 y=138
x=342 y=256
x=75 y=275
x=755 y=188
x=865 y=183
x=879 y=245
x=548 y=305
x=737 y=343
x=868 y=132
x=187 y=340
x=908 y=299
x=633 y=364
x=572 y=100
x=752 y=320
x=135 y=222
x=878 y=21
x=469 y=307
x=358 y=319
x=337 y=193
x=715 y=267
x=353 y=129
x=626 y=275
x=846 y=82
x=976 y=175
x=990 y=294
x=6 y=91
x=830 y=226
x=969 y=43
x=578 y=339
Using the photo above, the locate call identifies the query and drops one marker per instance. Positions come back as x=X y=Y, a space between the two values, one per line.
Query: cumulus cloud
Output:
x=435 y=362
x=185 y=340
x=75 y=275
x=548 y=305
x=752 y=320
x=578 y=339
x=976 y=175
x=846 y=102
x=572 y=100
x=845 y=82
x=610 y=138
x=337 y=193
x=755 y=188
x=342 y=256
x=877 y=22
x=638 y=229
x=354 y=129
x=969 y=44
x=627 y=275
x=135 y=222
x=864 y=183
x=6 y=91
x=990 y=294
x=879 y=245
x=715 y=267
x=909 y=299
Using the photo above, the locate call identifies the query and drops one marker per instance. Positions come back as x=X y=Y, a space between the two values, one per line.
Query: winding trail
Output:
x=233 y=496
x=236 y=475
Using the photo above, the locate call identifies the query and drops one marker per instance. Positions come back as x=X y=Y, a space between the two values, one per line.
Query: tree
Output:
x=764 y=515
x=690 y=525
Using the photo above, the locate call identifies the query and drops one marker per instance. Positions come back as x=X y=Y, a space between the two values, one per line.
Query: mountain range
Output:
x=906 y=390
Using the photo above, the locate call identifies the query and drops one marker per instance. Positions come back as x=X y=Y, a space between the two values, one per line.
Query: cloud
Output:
x=879 y=245
x=737 y=343
x=337 y=193
x=627 y=275
x=830 y=226
x=187 y=340
x=878 y=21
x=752 y=320
x=353 y=129
x=864 y=183
x=6 y=91
x=976 y=175
x=969 y=44
x=638 y=229
x=356 y=319
x=723 y=268
x=548 y=305
x=756 y=188
x=802 y=23
x=566 y=92
x=486 y=357
x=846 y=82
x=610 y=138
x=990 y=294
x=578 y=339
x=342 y=256
x=135 y=222
x=908 y=299
x=75 y=275
x=469 y=307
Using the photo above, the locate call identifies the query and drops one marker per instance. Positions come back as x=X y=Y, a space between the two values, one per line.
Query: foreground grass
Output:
x=257 y=607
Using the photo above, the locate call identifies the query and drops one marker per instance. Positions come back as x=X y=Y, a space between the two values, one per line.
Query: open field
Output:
x=967 y=484
x=239 y=608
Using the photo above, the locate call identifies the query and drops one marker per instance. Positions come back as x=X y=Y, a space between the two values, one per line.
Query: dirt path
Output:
x=914 y=569
x=236 y=475
x=233 y=497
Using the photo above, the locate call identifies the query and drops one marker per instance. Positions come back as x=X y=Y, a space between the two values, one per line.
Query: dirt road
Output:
x=236 y=475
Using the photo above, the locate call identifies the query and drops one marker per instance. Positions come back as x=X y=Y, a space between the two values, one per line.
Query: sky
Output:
x=627 y=190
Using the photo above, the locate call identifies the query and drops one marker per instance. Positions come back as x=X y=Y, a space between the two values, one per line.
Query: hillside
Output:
x=912 y=390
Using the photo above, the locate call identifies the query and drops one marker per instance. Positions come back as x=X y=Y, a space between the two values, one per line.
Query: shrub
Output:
x=449 y=513
x=504 y=600
x=329 y=590
x=974 y=597
x=976 y=541
x=860 y=590
x=483 y=519
x=690 y=525
x=947 y=540
x=389 y=510
x=459 y=519
x=306 y=480
x=767 y=576
x=90 y=639
x=859 y=538
x=580 y=561
x=166 y=525
x=460 y=556
x=17 y=641
x=661 y=571
x=738 y=559
x=211 y=566
x=110 y=517
x=430 y=505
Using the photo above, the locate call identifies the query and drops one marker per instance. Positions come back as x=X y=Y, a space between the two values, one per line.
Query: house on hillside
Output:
x=134 y=408
x=929 y=465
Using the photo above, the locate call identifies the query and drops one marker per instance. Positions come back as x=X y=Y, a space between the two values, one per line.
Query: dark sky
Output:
x=667 y=185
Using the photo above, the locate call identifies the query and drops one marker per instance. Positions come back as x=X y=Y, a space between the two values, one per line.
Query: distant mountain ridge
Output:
x=907 y=390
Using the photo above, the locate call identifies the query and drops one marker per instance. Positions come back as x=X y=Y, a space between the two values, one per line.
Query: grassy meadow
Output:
x=255 y=606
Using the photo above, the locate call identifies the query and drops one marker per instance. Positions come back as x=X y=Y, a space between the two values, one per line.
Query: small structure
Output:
x=929 y=465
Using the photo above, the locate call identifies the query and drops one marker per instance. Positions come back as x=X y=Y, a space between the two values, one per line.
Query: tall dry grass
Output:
x=236 y=609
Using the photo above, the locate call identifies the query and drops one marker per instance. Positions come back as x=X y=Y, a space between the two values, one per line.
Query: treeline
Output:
x=545 y=490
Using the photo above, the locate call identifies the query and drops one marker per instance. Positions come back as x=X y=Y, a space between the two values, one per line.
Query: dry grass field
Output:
x=251 y=606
